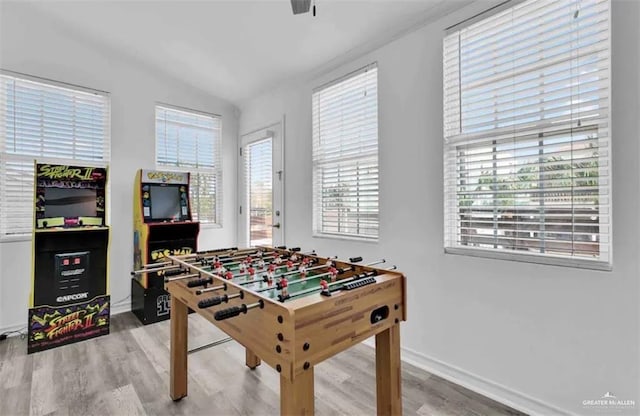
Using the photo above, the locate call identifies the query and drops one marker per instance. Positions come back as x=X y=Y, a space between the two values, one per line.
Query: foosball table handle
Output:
x=205 y=303
x=200 y=282
x=175 y=272
x=355 y=259
x=217 y=300
x=223 y=314
x=359 y=283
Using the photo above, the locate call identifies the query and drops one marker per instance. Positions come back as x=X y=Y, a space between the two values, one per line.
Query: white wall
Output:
x=33 y=44
x=540 y=337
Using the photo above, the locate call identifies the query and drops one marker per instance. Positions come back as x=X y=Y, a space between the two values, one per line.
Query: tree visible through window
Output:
x=527 y=132
x=50 y=122
x=189 y=141
x=345 y=156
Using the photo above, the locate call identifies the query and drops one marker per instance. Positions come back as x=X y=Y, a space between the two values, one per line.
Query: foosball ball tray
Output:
x=291 y=310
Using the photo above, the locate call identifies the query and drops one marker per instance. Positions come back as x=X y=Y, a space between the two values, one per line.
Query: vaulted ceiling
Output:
x=237 y=49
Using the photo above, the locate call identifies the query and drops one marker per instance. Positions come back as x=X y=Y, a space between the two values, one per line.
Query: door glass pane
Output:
x=258 y=171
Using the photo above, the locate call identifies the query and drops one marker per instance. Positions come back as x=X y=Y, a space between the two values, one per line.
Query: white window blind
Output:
x=189 y=141
x=345 y=156
x=49 y=122
x=527 y=137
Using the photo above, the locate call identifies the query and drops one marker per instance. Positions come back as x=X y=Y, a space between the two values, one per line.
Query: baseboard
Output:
x=18 y=327
x=121 y=308
x=480 y=385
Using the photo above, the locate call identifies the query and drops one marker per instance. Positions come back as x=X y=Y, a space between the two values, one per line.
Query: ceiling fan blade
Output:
x=300 y=6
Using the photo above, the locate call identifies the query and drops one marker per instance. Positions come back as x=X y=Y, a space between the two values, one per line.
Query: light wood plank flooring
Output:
x=127 y=373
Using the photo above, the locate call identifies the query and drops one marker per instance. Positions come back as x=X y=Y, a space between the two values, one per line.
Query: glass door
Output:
x=261 y=220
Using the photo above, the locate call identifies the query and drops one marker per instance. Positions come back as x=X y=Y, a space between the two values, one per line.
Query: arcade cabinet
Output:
x=69 y=298
x=163 y=226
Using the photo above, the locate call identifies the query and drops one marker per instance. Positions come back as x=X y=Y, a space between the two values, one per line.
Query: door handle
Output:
x=276 y=225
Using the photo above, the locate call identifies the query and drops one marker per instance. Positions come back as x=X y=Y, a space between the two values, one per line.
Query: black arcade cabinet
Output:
x=70 y=290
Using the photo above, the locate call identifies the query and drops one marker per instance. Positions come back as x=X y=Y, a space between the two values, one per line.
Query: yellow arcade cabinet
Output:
x=163 y=226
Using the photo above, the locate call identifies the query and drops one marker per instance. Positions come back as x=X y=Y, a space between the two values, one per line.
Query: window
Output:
x=50 y=122
x=189 y=141
x=527 y=137
x=345 y=156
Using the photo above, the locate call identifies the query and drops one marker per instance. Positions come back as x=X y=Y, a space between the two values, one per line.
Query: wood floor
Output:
x=127 y=373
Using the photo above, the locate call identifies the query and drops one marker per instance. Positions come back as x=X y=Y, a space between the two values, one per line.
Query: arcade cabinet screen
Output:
x=69 y=202
x=165 y=202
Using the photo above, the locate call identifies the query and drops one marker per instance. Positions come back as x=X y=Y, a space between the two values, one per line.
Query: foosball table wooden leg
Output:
x=179 y=326
x=388 y=376
x=252 y=360
x=296 y=396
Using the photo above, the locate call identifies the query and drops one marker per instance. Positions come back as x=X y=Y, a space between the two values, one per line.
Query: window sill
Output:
x=532 y=258
x=210 y=226
x=345 y=237
x=16 y=238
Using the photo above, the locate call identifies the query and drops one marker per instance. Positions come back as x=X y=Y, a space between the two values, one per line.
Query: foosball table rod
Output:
x=341 y=285
x=364 y=279
x=235 y=275
x=186 y=276
x=316 y=276
x=151 y=268
x=220 y=251
x=225 y=262
x=245 y=253
x=211 y=289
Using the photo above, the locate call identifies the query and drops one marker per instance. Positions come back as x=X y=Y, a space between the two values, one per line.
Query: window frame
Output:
x=30 y=159
x=216 y=171
x=450 y=174
x=344 y=161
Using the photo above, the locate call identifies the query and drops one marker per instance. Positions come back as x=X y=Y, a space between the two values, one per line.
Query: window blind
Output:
x=527 y=138
x=189 y=141
x=345 y=156
x=49 y=122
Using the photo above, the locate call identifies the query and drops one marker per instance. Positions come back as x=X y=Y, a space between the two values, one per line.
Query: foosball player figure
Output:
x=228 y=275
x=325 y=288
x=294 y=257
x=333 y=273
x=302 y=270
x=251 y=272
x=278 y=260
x=329 y=263
x=284 y=291
x=261 y=263
x=289 y=265
x=218 y=268
x=271 y=272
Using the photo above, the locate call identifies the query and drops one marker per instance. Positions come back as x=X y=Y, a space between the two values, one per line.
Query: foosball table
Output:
x=291 y=310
